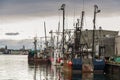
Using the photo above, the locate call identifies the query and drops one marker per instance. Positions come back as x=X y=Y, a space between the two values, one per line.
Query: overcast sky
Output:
x=49 y=7
x=27 y=16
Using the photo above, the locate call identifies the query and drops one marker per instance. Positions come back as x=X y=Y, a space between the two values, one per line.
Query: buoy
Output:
x=70 y=63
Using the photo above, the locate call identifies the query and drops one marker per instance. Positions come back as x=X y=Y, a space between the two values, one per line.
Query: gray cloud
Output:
x=50 y=7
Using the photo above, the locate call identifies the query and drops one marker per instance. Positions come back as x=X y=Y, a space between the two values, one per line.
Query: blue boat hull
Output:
x=77 y=64
x=99 y=64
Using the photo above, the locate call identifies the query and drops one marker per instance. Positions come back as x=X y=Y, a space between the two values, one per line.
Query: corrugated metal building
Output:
x=105 y=38
x=117 y=46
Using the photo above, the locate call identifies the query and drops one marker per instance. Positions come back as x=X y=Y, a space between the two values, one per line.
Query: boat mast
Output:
x=51 y=32
x=58 y=34
x=82 y=19
x=94 y=27
x=78 y=34
x=45 y=36
x=63 y=9
x=35 y=46
x=81 y=26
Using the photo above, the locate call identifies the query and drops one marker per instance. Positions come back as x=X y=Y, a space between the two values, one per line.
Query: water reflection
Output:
x=90 y=76
x=45 y=72
x=48 y=72
x=16 y=67
x=87 y=76
x=76 y=76
x=99 y=77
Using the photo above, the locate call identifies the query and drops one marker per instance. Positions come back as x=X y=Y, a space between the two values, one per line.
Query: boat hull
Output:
x=39 y=61
x=77 y=64
x=75 y=67
x=99 y=65
x=78 y=67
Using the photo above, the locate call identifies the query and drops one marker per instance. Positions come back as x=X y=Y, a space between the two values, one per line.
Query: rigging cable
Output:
x=83 y=8
x=74 y=17
x=59 y=17
x=85 y=22
x=83 y=5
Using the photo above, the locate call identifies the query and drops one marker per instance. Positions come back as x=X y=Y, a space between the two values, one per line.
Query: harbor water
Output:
x=16 y=67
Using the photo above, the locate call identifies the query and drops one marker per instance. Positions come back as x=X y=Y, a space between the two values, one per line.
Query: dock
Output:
x=112 y=68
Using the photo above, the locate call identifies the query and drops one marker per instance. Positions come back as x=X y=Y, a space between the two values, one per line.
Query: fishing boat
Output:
x=80 y=60
x=43 y=58
x=77 y=58
x=40 y=57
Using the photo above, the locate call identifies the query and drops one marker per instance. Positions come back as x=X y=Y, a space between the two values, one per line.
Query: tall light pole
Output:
x=96 y=10
x=63 y=9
